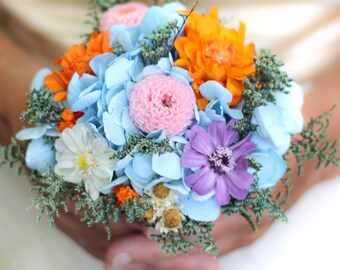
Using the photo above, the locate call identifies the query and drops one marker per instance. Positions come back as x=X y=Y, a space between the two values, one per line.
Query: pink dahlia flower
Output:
x=130 y=14
x=162 y=102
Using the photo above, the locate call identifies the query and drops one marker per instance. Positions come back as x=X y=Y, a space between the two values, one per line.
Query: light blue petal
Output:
x=292 y=120
x=116 y=106
x=86 y=101
x=165 y=64
x=214 y=111
x=206 y=210
x=167 y=165
x=292 y=99
x=138 y=187
x=126 y=36
x=177 y=186
x=134 y=177
x=38 y=80
x=273 y=168
x=38 y=155
x=174 y=7
x=197 y=197
x=32 y=133
x=183 y=72
x=100 y=63
x=157 y=181
x=142 y=165
x=121 y=164
x=113 y=132
x=204 y=119
x=129 y=88
x=118 y=73
x=120 y=180
x=157 y=136
x=263 y=146
x=136 y=71
x=127 y=123
x=233 y=113
x=52 y=132
x=152 y=70
x=270 y=128
x=154 y=18
x=213 y=90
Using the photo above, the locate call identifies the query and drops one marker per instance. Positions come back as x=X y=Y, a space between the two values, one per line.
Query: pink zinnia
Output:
x=130 y=14
x=162 y=102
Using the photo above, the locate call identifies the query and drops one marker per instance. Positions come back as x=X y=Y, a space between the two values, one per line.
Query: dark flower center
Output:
x=222 y=160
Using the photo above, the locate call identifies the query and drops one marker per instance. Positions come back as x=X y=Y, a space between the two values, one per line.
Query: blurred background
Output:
x=304 y=33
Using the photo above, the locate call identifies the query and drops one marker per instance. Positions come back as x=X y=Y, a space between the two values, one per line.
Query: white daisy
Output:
x=84 y=156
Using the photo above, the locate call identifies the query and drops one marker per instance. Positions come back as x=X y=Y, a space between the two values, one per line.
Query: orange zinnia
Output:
x=124 y=193
x=211 y=51
x=76 y=59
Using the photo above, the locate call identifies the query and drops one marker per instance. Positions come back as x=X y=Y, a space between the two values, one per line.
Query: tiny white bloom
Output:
x=84 y=156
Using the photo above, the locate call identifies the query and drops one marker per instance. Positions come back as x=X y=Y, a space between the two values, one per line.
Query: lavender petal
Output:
x=237 y=193
x=206 y=183
x=193 y=178
x=201 y=141
x=222 y=196
x=192 y=159
x=241 y=179
x=243 y=147
x=220 y=133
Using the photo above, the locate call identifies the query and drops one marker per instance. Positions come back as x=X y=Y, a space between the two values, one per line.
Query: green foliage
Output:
x=55 y=194
x=144 y=146
x=156 y=45
x=133 y=210
x=261 y=87
x=50 y=141
x=179 y=243
x=13 y=155
x=313 y=143
x=258 y=202
x=41 y=108
x=93 y=20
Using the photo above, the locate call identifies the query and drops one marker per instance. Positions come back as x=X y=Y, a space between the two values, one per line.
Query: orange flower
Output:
x=68 y=119
x=76 y=60
x=211 y=51
x=124 y=193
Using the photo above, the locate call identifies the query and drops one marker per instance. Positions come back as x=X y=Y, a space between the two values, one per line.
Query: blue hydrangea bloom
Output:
x=277 y=122
x=217 y=109
x=39 y=156
x=273 y=165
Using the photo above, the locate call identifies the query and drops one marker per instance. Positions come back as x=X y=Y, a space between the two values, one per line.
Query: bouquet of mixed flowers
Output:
x=165 y=116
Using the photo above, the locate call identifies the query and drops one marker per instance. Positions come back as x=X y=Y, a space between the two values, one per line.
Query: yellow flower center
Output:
x=82 y=162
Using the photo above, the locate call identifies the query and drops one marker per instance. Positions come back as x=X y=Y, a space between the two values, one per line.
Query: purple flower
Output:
x=222 y=163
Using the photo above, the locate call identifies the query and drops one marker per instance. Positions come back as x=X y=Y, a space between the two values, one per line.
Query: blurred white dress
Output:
x=304 y=33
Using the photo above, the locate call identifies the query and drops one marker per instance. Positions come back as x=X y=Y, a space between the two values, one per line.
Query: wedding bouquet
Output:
x=167 y=117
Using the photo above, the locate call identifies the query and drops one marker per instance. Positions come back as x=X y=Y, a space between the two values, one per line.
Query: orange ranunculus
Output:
x=211 y=51
x=76 y=59
x=124 y=193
